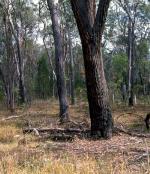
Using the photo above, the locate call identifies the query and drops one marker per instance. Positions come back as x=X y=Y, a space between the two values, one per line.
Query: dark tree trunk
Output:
x=2 y=77
x=22 y=96
x=91 y=30
x=147 y=121
x=59 y=59
x=131 y=62
x=100 y=113
x=123 y=91
x=10 y=71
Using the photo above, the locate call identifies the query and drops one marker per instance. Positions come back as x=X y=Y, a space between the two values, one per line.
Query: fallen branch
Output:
x=133 y=134
x=12 y=117
x=57 y=134
x=54 y=131
x=81 y=132
x=24 y=114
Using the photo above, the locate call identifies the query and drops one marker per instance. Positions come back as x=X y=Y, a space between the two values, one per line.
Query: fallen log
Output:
x=54 y=131
x=61 y=137
x=81 y=133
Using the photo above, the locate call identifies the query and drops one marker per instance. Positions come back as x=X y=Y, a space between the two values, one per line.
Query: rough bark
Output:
x=91 y=30
x=10 y=71
x=59 y=58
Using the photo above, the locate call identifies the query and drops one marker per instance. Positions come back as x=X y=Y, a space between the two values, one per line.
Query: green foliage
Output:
x=143 y=49
x=43 y=78
x=120 y=65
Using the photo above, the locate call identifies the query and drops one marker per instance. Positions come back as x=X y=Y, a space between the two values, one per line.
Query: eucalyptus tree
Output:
x=59 y=59
x=136 y=20
x=47 y=36
x=22 y=24
x=71 y=31
x=18 y=25
x=116 y=37
x=91 y=27
x=7 y=63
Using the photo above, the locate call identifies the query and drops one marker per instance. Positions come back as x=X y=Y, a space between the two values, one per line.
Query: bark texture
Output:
x=9 y=71
x=59 y=59
x=91 y=26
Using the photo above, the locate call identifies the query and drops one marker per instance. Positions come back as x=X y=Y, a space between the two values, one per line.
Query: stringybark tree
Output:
x=59 y=58
x=91 y=26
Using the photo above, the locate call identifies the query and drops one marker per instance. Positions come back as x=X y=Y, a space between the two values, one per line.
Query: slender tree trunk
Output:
x=22 y=95
x=59 y=59
x=12 y=99
x=91 y=28
x=72 y=75
x=9 y=73
x=131 y=62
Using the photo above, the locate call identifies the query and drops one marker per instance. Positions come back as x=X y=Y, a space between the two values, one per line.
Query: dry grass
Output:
x=28 y=154
x=8 y=133
x=28 y=163
x=49 y=165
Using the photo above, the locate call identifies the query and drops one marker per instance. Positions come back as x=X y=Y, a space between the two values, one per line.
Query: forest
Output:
x=74 y=86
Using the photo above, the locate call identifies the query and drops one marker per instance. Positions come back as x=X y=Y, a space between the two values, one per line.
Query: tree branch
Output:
x=101 y=17
x=82 y=11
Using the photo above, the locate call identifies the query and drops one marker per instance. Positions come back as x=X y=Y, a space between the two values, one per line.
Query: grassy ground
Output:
x=29 y=154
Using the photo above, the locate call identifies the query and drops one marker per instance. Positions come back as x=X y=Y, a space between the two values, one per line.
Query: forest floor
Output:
x=31 y=154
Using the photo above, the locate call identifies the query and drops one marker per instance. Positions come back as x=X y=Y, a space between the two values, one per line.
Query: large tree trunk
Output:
x=91 y=30
x=100 y=112
x=59 y=59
